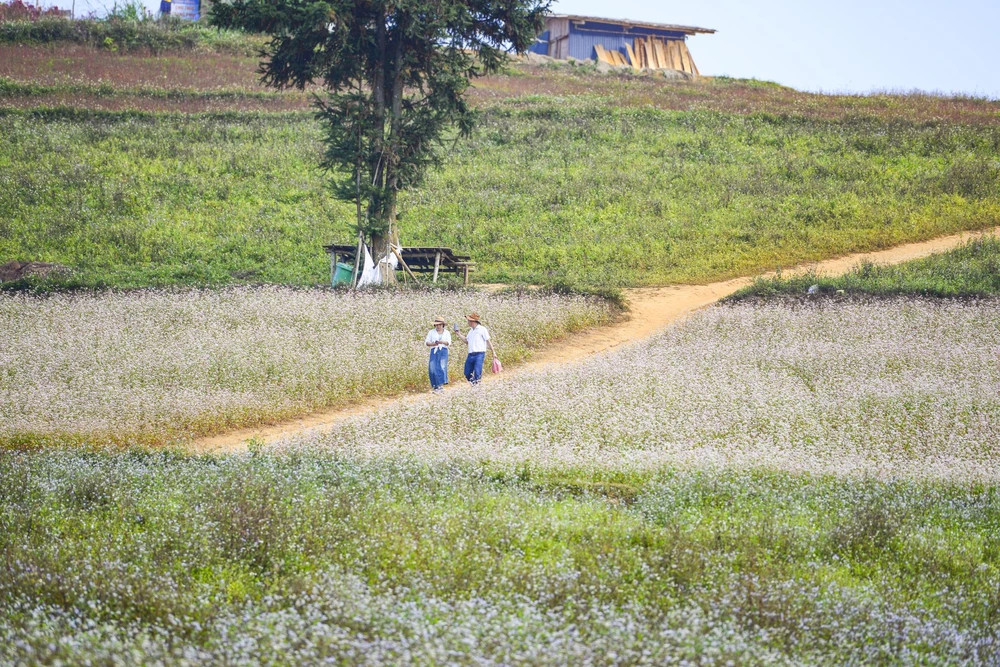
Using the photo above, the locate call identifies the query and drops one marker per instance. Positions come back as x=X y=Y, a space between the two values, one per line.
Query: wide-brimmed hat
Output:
x=474 y=317
x=439 y=320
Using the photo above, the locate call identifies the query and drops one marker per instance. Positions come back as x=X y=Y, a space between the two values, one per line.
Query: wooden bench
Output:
x=417 y=260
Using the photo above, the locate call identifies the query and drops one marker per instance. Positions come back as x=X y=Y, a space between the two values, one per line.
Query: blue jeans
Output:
x=437 y=367
x=474 y=367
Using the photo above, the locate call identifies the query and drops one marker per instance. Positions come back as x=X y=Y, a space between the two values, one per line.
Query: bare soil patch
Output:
x=15 y=270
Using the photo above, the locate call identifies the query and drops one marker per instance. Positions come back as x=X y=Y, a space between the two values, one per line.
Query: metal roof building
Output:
x=637 y=43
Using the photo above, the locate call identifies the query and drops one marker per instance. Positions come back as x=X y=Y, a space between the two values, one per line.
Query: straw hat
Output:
x=439 y=320
x=474 y=317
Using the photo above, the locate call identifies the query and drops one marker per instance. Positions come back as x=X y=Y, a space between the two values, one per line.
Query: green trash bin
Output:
x=342 y=274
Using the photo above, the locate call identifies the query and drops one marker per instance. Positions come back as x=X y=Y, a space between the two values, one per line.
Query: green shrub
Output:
x=128 y=34
x=972 y=270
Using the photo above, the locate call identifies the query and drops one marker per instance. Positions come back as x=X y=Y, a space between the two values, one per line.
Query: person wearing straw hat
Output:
x=478 y=340
x=438 y=339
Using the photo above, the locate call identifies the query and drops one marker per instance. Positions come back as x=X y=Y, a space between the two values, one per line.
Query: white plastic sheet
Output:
x=370 y=274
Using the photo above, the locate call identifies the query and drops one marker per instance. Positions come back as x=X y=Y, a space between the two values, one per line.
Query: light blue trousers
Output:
x=437 y=367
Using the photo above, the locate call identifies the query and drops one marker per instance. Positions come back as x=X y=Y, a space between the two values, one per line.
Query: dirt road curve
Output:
x=652 y=309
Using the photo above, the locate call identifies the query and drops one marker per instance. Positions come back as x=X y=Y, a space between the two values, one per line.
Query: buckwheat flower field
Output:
x=763 y=484
x=156 y=367
x=904 y=388
x=263 y=559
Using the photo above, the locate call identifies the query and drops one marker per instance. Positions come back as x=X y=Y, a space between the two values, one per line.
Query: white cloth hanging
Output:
x=369 y=273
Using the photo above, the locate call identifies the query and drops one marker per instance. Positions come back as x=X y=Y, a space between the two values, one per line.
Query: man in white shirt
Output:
x=478 y=340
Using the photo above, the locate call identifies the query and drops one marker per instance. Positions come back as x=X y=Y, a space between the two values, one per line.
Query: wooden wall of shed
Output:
x=558 y=37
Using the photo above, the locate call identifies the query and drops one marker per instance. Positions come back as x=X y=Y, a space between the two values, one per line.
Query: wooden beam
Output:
x=661 y=55
x=685 y=64
x=631 y=56
x=650 y=58
x=357 y=260
x=400 y=258
x=687 y=51
x=603 y=55
x=673 y=58
x=437 y=265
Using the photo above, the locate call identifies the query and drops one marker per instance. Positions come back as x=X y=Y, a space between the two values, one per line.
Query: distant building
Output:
x=185 y=9
x=618 y=42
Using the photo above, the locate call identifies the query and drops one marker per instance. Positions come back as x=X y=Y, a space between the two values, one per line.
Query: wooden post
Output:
x=357 y=259
x=437 y=265
x=466 y=267
x=403 y=264
x=333 y=266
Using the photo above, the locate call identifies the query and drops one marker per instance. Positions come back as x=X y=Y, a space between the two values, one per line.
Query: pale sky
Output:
x=845 y=46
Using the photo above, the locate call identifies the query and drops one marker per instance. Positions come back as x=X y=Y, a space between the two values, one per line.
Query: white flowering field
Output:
x=157 y=367
x=886 y=389
x=767 y=483
x=248 y=560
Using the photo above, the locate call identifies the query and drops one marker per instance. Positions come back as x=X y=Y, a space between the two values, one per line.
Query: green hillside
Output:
x=547 y=188
x=164 y=164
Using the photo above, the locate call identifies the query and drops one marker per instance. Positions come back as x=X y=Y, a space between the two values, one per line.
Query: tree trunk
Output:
x=381 y=211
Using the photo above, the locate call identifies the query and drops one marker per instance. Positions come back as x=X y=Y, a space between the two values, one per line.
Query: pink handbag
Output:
x=497 y=366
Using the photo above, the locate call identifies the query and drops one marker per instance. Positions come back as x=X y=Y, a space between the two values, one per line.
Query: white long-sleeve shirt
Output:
x=433 y=337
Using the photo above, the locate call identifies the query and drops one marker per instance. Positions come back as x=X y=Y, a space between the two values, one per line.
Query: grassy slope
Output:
x=593 y=179
x=547 y=189
x=972 y=270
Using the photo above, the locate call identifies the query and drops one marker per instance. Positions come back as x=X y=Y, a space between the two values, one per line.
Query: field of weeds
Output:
x=970 y=271
x=305 y=559
x=546 y=190
x=155 y=368
x=106 y=77
x=144 y=167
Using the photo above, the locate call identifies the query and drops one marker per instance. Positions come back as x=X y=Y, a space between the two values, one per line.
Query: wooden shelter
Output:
x=434 y=260
x=622 y=43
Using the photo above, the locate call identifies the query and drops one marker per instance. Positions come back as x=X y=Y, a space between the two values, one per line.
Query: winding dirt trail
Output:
x=651 y=309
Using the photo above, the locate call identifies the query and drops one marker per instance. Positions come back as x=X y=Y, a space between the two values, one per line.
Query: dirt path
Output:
x=652 y=309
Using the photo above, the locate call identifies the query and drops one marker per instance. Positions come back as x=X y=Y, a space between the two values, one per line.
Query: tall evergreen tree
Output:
x=395 y=74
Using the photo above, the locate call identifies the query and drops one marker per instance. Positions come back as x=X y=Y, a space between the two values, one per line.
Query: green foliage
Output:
x=131 y=201
x=18 y=89
x=129 y=30
x=972 y=270
x=396 y=76
x=170 y=543
x=544 y=192
x=129 y=10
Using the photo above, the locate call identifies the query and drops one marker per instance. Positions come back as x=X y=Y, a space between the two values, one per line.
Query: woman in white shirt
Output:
x=438 y=339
